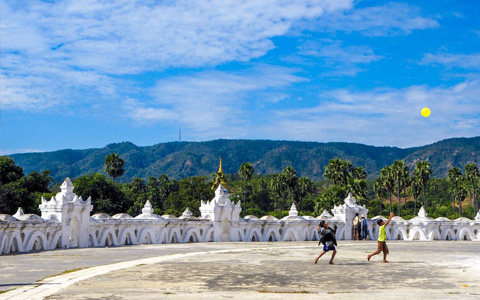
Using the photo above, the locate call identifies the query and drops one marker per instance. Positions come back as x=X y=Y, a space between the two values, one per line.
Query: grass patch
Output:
x=71 y=271
x=1 y=292
x=283 y=292
x=66 y=272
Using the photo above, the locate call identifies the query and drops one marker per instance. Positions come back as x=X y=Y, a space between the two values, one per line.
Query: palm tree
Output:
x=114 y=165
x=472 y=174
x=305 y=186
x=358 y=188
x=333 y=170
x=380 y=191
x=422 y=173
x=346 y=172
x=455 y=176
x=338 y=170
x=359 y=173
x=407 y=181
x=289 y=176
x=462 y=194
x=416 y=185
x=278 y=187
x=388 y=182
x=398 y=172
x=246 y=171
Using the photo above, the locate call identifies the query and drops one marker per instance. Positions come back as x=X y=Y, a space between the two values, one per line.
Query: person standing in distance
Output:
x=364 y=228
x=356 y=227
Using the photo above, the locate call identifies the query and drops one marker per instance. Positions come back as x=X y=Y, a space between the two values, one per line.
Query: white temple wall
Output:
x=66 y=223
x=24 y=236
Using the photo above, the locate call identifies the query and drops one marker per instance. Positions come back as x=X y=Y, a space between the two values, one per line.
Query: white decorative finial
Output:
x=350 y=200
x=293 y=211
x=477 y=217
x=18 y=213
x=187 y=214
x=67 y=186
x=325 y=214
x=422 y=213
x=147 y=209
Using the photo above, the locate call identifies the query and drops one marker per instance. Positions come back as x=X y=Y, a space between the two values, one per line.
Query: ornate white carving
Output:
x=293 y=211
x=422 y=213
x=187 y=214
x=325 y=215
x=66 y=222
x=350 y=201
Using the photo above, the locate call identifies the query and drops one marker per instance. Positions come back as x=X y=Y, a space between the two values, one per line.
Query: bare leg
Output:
x=385 y=257
x=321 y=254
x=374 y=253
x=333 y=256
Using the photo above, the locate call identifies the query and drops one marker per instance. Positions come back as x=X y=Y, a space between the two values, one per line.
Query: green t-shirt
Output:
x=382 y=235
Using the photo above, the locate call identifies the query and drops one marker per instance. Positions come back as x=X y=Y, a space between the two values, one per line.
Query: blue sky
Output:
x=83 y=74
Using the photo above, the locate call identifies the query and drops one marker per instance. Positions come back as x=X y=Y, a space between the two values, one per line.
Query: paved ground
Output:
x=417 y=270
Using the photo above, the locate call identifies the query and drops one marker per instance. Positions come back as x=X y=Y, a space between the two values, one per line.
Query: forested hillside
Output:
x=184 y=159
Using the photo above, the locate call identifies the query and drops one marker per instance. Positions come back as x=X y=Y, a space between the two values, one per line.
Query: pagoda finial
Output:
x=220 y=169
x=220 y=177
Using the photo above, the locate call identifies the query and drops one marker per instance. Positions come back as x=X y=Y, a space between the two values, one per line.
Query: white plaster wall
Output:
x=219 y=221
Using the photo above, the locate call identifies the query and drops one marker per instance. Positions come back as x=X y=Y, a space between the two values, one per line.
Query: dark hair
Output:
x=379 y=221
x=322 y=223
x=356 y=214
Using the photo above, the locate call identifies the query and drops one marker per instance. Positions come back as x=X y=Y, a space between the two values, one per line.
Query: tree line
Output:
x=259 y=195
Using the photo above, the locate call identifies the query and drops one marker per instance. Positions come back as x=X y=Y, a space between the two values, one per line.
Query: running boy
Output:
x=382 y=239
x=327 y=238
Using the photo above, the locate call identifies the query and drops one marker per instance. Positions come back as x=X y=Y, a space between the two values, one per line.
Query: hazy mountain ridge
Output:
x=184 y=159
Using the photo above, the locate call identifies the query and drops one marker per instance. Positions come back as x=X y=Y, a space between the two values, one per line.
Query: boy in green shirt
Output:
x=382 y=239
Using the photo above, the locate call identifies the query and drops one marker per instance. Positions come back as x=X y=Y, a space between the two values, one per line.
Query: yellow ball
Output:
x=425 y=112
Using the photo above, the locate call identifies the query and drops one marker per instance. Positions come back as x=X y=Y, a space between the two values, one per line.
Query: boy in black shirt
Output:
x=328 y=240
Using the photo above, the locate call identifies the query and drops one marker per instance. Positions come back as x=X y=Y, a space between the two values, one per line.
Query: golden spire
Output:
x=220 y=169
x=220 y=178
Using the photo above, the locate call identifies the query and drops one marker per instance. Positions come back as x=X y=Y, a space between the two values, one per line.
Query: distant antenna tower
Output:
x=179 y=135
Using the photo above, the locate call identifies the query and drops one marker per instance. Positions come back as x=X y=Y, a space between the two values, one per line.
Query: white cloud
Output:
x=343 y=60
x=387 y=20
x=127 y=37
x=53 y=86
x=210 y=104
x=384 y=116
x=66 y=54
x=463 y=61
x=52 y=50
x=138 y=112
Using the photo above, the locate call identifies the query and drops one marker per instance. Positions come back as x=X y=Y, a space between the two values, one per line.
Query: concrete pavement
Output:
x=417 y=270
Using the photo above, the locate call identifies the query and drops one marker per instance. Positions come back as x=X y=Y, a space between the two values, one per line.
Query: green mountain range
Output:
x=183 y=159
